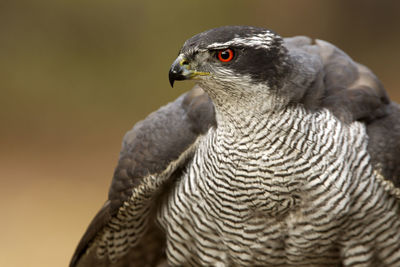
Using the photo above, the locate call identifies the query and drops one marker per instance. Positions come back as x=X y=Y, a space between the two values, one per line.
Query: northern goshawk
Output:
x=286 y=153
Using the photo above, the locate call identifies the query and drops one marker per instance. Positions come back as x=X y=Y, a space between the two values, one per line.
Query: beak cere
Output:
x=178 y=72
x=181 y=70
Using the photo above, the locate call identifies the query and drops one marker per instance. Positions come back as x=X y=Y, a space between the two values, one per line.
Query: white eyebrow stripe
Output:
x=261 y=40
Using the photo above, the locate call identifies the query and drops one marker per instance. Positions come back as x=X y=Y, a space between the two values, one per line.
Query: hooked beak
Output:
x=180 y=70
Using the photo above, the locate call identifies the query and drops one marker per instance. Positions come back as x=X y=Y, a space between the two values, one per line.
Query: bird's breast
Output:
x=269 y=198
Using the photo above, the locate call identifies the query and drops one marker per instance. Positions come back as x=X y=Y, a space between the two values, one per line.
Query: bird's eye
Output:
x=225 y=55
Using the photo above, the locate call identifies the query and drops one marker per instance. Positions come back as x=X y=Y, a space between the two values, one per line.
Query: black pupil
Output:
x=225 y=54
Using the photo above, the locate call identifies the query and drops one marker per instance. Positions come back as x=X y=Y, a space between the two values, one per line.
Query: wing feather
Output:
x=123 y=232
x=353 y=93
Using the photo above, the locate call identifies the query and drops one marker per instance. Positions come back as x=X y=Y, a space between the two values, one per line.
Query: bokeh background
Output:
x=76 y=75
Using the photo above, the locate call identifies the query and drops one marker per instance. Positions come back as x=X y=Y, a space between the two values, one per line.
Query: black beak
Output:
x=176 y=72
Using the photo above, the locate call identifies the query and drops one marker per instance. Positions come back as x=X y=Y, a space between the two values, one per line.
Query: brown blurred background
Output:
x=76 y=75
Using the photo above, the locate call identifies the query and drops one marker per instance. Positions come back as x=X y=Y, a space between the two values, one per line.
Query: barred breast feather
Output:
x=301 y=193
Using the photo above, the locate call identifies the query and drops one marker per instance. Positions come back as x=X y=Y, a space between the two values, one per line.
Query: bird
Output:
x=286 y=152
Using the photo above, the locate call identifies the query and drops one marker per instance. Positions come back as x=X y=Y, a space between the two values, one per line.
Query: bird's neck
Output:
x=248 y=122
x=236 y=116
x=236 y=108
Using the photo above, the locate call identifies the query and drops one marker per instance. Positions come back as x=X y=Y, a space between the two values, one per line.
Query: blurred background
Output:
x=76 y=75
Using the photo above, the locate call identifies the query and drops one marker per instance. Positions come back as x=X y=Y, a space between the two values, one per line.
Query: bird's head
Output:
x=233 y=62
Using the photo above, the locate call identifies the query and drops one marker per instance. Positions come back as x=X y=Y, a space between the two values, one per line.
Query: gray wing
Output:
x=123 y=233
x=353 y=93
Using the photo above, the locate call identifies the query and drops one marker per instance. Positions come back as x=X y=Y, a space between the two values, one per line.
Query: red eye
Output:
x=225 y=55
